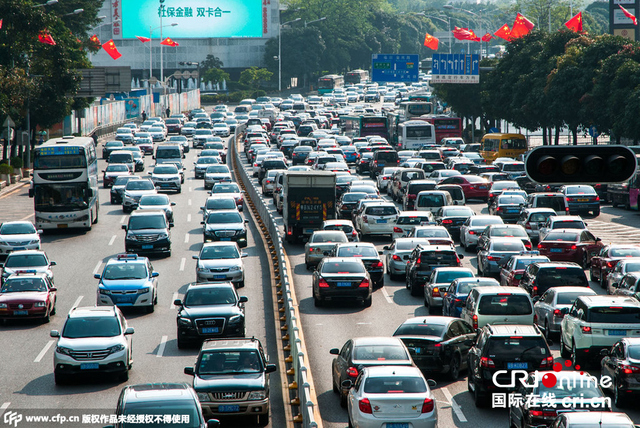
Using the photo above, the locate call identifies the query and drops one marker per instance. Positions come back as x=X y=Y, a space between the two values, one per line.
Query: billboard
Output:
x=394 y=68
x=195 y=18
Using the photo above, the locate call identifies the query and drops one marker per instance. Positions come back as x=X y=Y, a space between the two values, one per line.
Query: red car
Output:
x=474 y=187
x=511 y=272
x=570 y=245
x=607 y=258
x=27 y=294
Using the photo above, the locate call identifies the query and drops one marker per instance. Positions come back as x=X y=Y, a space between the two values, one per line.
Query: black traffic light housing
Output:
x=581 y=164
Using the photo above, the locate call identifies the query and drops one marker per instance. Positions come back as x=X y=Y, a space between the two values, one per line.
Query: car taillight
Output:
x=418 y=261
x=435 y=292
x=352 y=372
x=540 y=246
x=527 y=245
x=491 y=195
x=411 y=196
x=378 y=264
x=494 y=258
x=499 y=209
x=486 y=362
x=546 y=362
x=397 y=230
x=535 y=290
x=527 y=225
x=597 y=198
x=255 y=164
x=574 y=247
x=365 y=406
x=630 y=369
x=428 y=405
x=475 y=322
x=472 y=232
x=385 y=178
x=364 y=283
x=396 y=257
x=558 y=313
x=447 y=221
x=322 y=283
x=586 y=329
x=354 y=233
x=543 y=413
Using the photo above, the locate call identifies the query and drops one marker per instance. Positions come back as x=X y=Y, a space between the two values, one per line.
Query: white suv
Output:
x=377 y=218
x=166 y=177
x=595 y=323
x=561 y=222
x=94 y=339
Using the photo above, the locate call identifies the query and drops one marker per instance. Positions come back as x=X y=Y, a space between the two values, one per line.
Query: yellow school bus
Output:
x=493 y=146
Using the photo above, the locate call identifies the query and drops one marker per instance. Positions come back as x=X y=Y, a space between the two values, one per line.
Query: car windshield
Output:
x=523 y=263
x=634 y=352
x=343 y=267
x=380 y=352
x=217 y=169
x=25 y=260
x=562 y=236
x=508 y=232
x=457 y=212
x=228 y=362
x=147 y=222
x=568 y=297
x=214 y=252
x=77 y=328
x=210 y=296
x=395 y=385
x=504 y=304
x=431 y=233
x=329 y=236
x=614 y=314
x=226 y=188
x=140 y=185
x=208 y=160
x=562 y=276
x=631 y=267
x=353 y=197
x=357 y=251
x=114 y=144
x=165 y=169
x=17 y=229
x=13 y=285
x=121 y=271
x=411 y=329
x=466 y=287
x=117 y=168
x=220 y=204
x=446 y=277
x=615 y=252
x=224 y=217
x=154 y=200
x=507 y=246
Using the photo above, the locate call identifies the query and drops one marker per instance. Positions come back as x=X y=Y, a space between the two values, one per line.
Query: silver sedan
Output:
x=397 y=255
x=320 y=245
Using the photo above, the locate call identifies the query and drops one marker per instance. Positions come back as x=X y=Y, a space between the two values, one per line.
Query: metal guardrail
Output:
x=306 y=399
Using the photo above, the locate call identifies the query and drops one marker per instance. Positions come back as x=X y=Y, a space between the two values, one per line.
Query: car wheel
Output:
x=53 y=311
x=367 y=302
x=343 y=400
x=151 y=308
x=618 y=398
x=415 y=291
x=547 y=333
x=241 y=284
x=47 y=318
x=182 y=344
x=317 y=302
x=454 y=367
x=480 y=273
x=596 y=213
x=263 y=420
x=180 y=189
x=478 y=399
x=585 y=261
x=563 y=349
x=124 y=376
x=575 y=359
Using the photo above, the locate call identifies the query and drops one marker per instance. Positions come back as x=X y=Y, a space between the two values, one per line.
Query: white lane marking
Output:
x=386 y=295
x=186 y=238
x=363 y=323
x=173 y=299
x=188 y=217
x=77 y=302
x=163 y=343
x=124 y=217
x=26 y=217
x=97 y=268
x=456 y=408
x=44 y=351
x=189 y=202
x=113 y=238
x=190 y=188
x=182 y=263
x=4 y=407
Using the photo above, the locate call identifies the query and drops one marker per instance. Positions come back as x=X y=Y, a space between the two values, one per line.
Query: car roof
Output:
x=572 y=289
x=208 y=285
x=92 y=311
x=392 y=371
x=511 y=329
x=138 y=213
x=157 y=392
x=17 y=222
x=501 y=289
x=600 y=300
x=452 y=269
x=597 y=419
x=430 y=319
x=561 y=218
x=554 y=265
x=233 y=343
x=377 y=340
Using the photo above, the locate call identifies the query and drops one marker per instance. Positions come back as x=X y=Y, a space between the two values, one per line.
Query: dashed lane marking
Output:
x=112 y=240
x=186 y=238
x=183 y=261
x=77 y=302
x=386 y=295
x=454 y=406
x=163 y=344
x=44 y=351
x=173 y=299
x=122 y=220
x=97 y=268
x=188 y=217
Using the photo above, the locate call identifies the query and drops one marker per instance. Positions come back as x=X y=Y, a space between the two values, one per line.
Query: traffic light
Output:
x=580 y=164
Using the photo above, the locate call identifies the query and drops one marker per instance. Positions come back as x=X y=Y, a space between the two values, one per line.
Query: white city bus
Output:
x=65 y=183
x=413 y=134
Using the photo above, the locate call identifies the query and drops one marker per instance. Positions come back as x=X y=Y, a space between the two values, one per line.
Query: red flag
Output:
x=45 y=37
x=431 y=42
x=143 y=39
x=111 y=49
x=473 y=37
x=487 y=37
x=629 y=15
x=462 y=33
x=0 y=23
x=521 y=27
x=503 y=32
x=94 y=40
x=520 y=18
x=575 y=23
x=169 y=42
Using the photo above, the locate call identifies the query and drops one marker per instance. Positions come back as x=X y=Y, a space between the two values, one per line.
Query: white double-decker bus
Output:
x=413 y=134
x=65 y=183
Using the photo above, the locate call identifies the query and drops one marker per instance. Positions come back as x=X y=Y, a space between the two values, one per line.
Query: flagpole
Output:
x=150 y=56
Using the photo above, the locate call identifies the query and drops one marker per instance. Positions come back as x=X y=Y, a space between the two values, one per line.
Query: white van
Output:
x=498 y=305
x=457 y=194
x=433 y=200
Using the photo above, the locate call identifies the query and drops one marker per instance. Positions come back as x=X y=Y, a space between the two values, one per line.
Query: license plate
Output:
x=147 y=246
x=228 y=408
x=62 y=226
x=20 y=312
x=343 y=284
x=482 y=187
x=556 y=250
x=397 y=425
x=225 y=239
x=381 y=220
x=19 y=248
x=511 y=211
x=89 y=366
x=617 y=332
x=308 y=231
x=219 y=276
x=583 y=200
x=514 y=366
x=209 y=330
x=381 y=164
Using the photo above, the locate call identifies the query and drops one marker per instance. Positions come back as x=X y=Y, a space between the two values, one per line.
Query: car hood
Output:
x=24 y=296
x=230 y=382
x=210 y=310
x=116 y=173
x=166 y=176
x=224 y=226
x=165 y=208
x=20 y=237
x=136 y=193
x=91 y=343
x=218 y=175
x=146 y=231
x=125 y=284
x=11 y=270
x=219 y=263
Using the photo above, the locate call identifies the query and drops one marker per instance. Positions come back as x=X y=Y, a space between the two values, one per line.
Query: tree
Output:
x=210 y=63
x=255 y=76
x=215 y=75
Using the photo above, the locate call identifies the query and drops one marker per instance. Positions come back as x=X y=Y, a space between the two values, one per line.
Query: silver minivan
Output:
x=498 y=305
x=433 y=200
x=125 y=157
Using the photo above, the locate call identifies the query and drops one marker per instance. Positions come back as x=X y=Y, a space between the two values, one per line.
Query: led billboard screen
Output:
x=195 y=18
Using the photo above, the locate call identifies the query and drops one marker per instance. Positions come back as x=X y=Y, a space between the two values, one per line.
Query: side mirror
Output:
x=96 y=275
x=201 y=208
x=124 y=227
x=380 y=253
x=270 y=368
x=40 y=231
x=129 y=330
x=177 y=302
x=243 y=299
x=202 y=222
x=189 y=371
x=604 y=352
x=149 y=172
x=31 y=193
x=386 y=247
x=155 y=274
x=536 y=299
x=54 y=333
x=432 y=383
x=195 y=257
x=564 y=311
x=597 y=239
x=170 y=225
x=53 y=289
x=173 y=204
x=244 y=255
x=549 y=342
x=334 y=351
x=53 y=263
x=347 y=384
x=461 y=256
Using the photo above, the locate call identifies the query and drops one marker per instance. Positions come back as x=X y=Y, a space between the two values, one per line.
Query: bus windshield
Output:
x=61 y=197
x=43 y=161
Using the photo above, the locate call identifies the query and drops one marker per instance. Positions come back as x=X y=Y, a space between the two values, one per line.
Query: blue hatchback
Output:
x=351 y=154
x=456 y=295
x=581 y=198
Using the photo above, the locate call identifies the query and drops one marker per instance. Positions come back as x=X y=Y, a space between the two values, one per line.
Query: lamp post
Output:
x=280 y=51
x=49 y=3
x=151 y=30
x=450 y=7
x=75 y=12
x=315 y=20
x=197 y=64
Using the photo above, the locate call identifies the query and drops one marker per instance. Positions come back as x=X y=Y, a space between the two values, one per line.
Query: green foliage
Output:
x=215 y=75
x=211 y=62
x=255 y=76
x=16 y=162
x=5 y=169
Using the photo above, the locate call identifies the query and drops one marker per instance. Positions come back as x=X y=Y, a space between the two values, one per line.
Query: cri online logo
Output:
x=548 y=379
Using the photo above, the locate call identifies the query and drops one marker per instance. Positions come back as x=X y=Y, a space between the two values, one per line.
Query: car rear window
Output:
x=540 y=217
x=562 y=236
x=328 y=237
x=569 y=297
x=343 y=267
x=508 y=246
x=357 y=251
x=523 y=263
x=562 y=276
x=412 y=175
x=515 y=347
x=448 y=277
x=431 y=201
x=508 y=232
x=395 y=385
x=381 y=211
x=476 y=222
x=346 y=228
x=568 y=224
x=614 y=314
x=438 y=257
x=420 y=330
x=625 y=252
x=417 y=188
x=505 y=304
x=414 y=219
x=380 y=352
x=556 y=203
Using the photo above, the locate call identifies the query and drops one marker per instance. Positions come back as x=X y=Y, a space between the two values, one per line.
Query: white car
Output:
x=93 y=340
x=377 y=218
x=441 y=174
x=595 y=323
x=473 y=227
x=166 y=177
x=385 y=177
x=18 y=235
x=391 y=396
x=216 y=174
x=221 y=129
x=157 y=133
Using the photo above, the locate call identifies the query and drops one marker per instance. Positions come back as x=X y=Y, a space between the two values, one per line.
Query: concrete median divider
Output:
x=298 y=376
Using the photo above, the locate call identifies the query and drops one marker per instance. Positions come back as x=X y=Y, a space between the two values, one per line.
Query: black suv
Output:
x=209 y=310
x=539 y=277
x=504 y=348
x=382 y=159
x=148 y=232
x=269 y=164
x=423 y=260
x=231 y=378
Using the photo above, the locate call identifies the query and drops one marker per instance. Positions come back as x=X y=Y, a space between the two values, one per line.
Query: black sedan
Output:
x=339 y=278
x=508 y=207
x=209 y=311
x=452 y=218
x=348 y=202
x=437 y=344
x=620 y=364
x=362 y=165
x=369 y=255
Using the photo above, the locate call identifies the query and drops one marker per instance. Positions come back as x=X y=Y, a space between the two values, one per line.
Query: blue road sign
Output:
x=455 y=68
x=395 y=68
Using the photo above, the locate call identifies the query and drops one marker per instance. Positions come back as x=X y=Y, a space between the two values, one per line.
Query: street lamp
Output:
x=75 y=12
x=280 y=51
x=49 y=3
x=316 y=20
x=151 y=30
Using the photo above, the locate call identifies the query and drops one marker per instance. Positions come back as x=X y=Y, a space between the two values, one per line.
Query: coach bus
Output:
x=329 y=82
x=446 y=127
x=414 y=109
x=365 y=125
x=65 y=183
x=356 y=76
x=413 y=134
x=493 y=146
